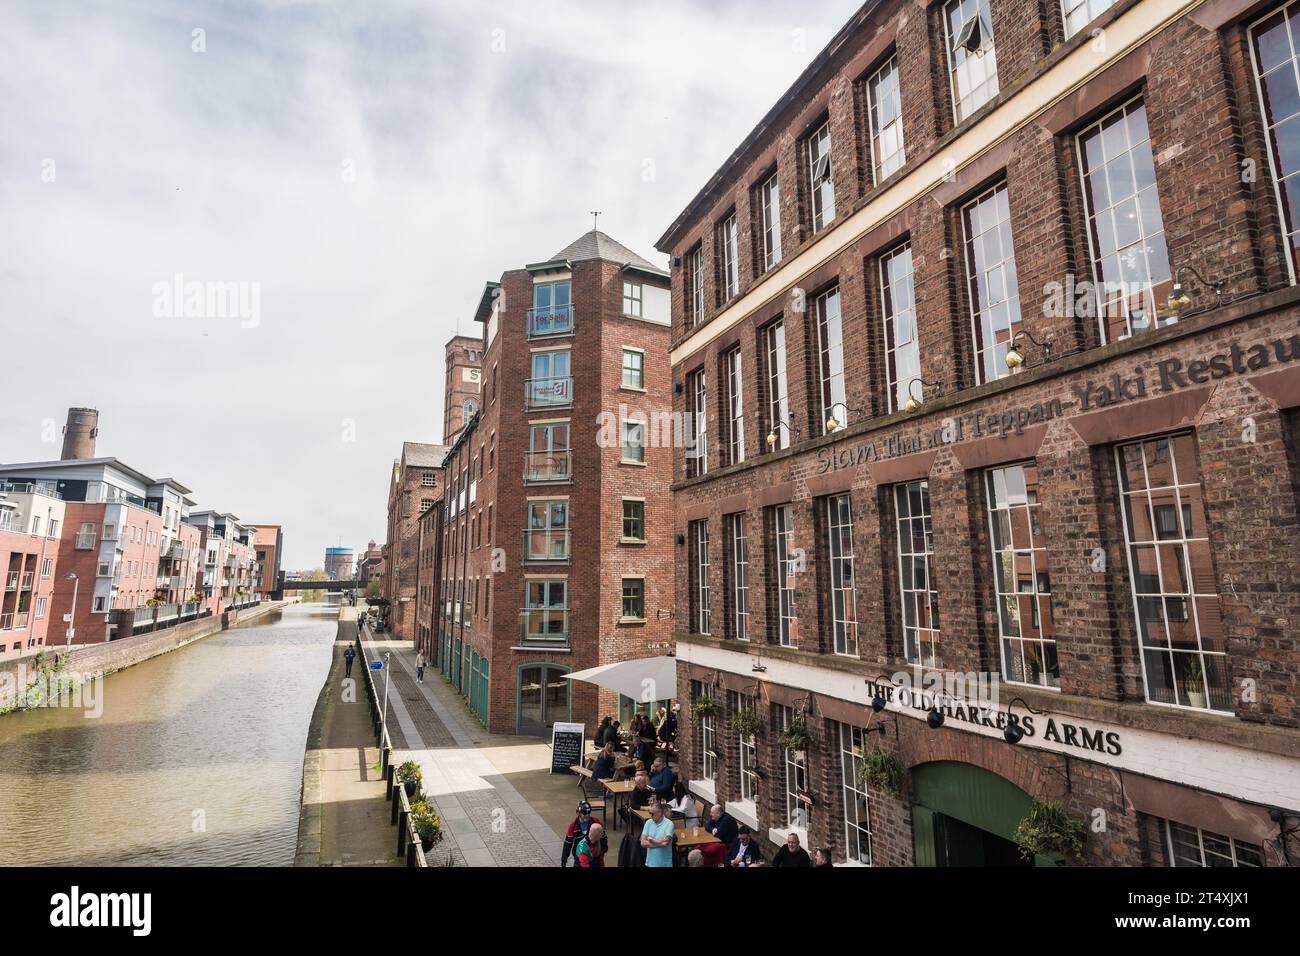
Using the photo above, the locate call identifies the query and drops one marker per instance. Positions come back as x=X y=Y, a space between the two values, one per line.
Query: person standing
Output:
x=657 y=837
x=348 y=657
x=580 y=829
x=590 y=849
x=419 y=667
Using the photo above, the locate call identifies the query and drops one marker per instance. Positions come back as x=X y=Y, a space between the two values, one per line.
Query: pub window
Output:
x=844 y=611
x=1275 y=55
x=708 y=741
x=898 y=314
x=697 y=425
x=778 y=397
x=1020 y=578
x=739 y=577
x=735 y=406
x=747 y=747
x=915 y=566
x=1175 y=593
x=797 y=815
x=830 y=360
x=1192 y=846
x=783 y=542
x=699 y=544
x=991 y=281
x=857 y=819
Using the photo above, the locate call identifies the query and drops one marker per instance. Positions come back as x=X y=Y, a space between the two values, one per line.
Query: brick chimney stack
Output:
x=79 y=434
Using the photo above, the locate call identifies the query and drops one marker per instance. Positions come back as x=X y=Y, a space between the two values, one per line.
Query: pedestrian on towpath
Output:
x=419 y=667
x=348 y=656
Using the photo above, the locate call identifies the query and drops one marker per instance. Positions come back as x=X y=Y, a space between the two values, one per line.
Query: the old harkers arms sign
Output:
x=1165 y=375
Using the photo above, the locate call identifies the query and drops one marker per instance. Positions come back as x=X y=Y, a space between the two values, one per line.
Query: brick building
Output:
x=268 y=545
x=463 y=357
x=988 y=338
x=369 y=565
x=31 y=520
x=557 y=520
x=416 y=483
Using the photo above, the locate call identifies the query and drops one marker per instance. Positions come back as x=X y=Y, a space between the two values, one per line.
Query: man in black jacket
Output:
x=792 y=854
x=723 y=826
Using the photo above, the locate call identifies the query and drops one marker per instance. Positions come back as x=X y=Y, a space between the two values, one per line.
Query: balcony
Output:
x=28 y=578
x=544 y=625
x=541 y=467
x=549 y=321
x=546 y=546
x=46 y=488
x=555 y=392
x=85 y=541
x=13 y=621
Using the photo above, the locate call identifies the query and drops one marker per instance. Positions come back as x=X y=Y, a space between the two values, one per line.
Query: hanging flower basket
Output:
x=706 y=706
x=745 y=722
x=881 y=770
x=1049 y=830
x=796 y=738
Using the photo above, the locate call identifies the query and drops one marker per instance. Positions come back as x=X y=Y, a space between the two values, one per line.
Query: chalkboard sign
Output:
x=566 y=746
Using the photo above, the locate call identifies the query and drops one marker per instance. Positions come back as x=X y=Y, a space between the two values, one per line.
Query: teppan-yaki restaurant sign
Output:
x=1146 y=380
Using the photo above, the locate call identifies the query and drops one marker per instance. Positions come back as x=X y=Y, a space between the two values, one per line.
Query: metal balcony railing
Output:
x=544 y=625
x=550 y=320
x=11 y=581
x=544 y=466
x=553 y=392
x=46 y=488
x=546 y=545
x=28 y=578
x=85 y=541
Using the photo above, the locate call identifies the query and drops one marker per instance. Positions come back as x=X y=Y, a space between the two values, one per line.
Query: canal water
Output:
x=196 y=760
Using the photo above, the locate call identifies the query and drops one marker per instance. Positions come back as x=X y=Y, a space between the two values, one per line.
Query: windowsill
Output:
x=745 y=812
x=632 y=388
x=631 y=621
x=626 y=461
x=552 y=648
x=779 y=836
x=631 y=540
x=704 y=788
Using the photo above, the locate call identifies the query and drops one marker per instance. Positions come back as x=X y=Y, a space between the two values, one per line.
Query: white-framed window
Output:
x=991 y=281
x=844 y=605
x=1021 y=581
x=40 y=606
x=695 y=277
x=885 y=118
x=778 y=397
x=1192 y=846
x=739 y=577
x=699 y=544
x=99 y=606
x=898 y=315
x=1175 y=596
x=1275 y=57
x=470 y=408
x=631 y=298
x=634 y=442
x=633 y=368
x=728 y=258
x=53 y=531
x=857 y=816
x=972 y=60
x=769 y=198
x=547 y=535
x=920 y=600
x=86 y=535
x=110 y=531
x=709 y=746
x=546 y=609
x=820 y=183
x=1126 y=233
x=697 y=424
x=36 y=524
x=552 y=381
x=783 y=540
x=47 y=567
x=548 y=452
x=797 y=814
x=735 y=406
x=747 y=746
x=1079 y=13
x=830 y=358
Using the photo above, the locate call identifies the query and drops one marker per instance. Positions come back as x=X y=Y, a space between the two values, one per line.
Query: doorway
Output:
x=963 y=815
x=543 y=698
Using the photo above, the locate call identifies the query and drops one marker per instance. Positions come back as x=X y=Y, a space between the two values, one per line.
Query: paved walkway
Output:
x=487 y=821
x=344 y=819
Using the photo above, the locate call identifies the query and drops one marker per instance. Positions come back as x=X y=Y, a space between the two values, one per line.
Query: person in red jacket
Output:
x=580 y=827
x=590 y=849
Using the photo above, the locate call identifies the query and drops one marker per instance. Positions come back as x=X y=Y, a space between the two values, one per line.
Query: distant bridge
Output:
x=319 y=586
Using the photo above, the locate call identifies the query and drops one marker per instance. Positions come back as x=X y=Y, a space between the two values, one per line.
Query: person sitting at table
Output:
x=661 y=778
x=723 y=826
x=822 y=857
x=603 y=767
x=746 y=853
x=612 y=736
x=792 y=854
x=668 y=729
x=641 y=794
x=695 y=858
x=638 y=725
x=683 y=804
x=660 y=714
x=629 y=770
x=598 y=738
x=715 y=854
x=643 y=749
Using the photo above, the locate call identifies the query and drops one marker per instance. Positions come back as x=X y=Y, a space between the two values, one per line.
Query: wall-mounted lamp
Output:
x=913 y=403
x=1013 y=733
x=1178 y=297
x=681 y=539
x=773 y=436
x=677 y=262
x=678 y=388
x=833 y=424
x=1016 y=358
x=934 y=718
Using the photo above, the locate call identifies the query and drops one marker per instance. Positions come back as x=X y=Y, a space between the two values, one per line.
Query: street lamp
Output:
x=72 y=612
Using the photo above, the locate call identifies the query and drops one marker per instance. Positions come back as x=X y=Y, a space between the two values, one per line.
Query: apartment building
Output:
x=31 y=520
x=987 y=335
x=229 y=571
x=556 y=523
x=416 y=483
x=462 y=362
x=268 y=547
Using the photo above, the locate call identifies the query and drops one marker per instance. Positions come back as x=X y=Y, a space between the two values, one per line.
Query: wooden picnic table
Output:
x=616 y=789
x=691 y=838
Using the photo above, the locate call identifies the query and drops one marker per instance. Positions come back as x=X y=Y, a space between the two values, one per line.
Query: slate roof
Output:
x=597 y=245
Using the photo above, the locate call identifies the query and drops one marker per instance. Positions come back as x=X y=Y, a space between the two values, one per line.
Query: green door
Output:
x=456 y=665
x=963 y=815
x=483 y=691
x=473 y=683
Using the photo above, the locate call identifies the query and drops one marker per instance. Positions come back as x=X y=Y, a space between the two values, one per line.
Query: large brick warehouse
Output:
x=989 y=335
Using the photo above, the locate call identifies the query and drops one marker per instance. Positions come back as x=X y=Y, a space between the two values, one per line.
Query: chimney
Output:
x=80 y=433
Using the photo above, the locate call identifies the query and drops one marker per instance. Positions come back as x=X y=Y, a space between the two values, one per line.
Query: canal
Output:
x=196 y=759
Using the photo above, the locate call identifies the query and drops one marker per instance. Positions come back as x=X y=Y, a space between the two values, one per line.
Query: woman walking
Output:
x=419 y=667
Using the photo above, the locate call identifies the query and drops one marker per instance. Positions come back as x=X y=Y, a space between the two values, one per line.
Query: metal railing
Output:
x=11 y=582
x=85 y=541
x=544 y=625
x=46 y=488
x=544 y=466
x=549 y=321
x=553 y=392
x=546 y=545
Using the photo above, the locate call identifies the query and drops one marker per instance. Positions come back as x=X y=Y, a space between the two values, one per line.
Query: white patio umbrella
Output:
x=643 y=679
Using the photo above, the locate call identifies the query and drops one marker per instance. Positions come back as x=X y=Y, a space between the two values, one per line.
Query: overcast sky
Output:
x=364 y=167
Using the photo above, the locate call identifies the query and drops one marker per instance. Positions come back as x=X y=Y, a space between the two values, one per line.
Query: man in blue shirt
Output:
x=657 y=837
x=661 y=778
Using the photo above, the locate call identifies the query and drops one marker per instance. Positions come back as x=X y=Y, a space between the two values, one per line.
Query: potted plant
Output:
x=427 y=824
x=706 y=705
x=882 y=770
x=1194 y=681
x=745 y=722
x=410 y=775
x=796 y=738
x=1049 y=830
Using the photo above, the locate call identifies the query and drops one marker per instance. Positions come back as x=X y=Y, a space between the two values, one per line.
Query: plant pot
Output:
x=412 y=787
x=798 y=756
x=1196 y=698
x=427 y=843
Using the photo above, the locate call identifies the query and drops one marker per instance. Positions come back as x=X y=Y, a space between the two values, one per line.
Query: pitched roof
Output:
x=420 y=455
x=597 y=245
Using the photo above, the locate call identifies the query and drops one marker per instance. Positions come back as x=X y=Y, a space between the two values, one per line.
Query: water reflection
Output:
x=197 y=758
